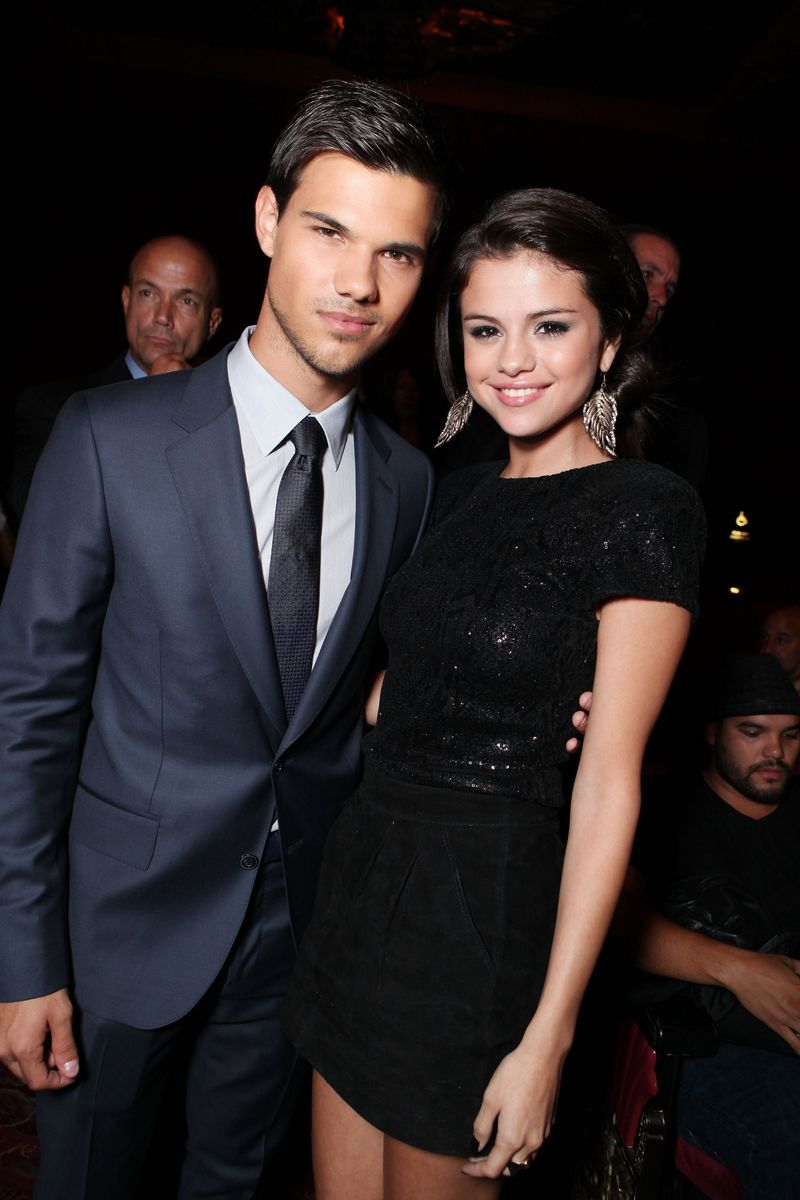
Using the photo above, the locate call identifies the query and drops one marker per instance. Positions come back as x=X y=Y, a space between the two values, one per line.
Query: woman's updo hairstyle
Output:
x=583 y=238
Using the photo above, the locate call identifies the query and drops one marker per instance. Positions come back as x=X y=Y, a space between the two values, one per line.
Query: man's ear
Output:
x=214 y=321
x=266 y=220
x=710 y=732
x=126 y=298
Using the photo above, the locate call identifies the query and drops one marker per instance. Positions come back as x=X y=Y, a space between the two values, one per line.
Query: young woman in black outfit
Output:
x=437 y=990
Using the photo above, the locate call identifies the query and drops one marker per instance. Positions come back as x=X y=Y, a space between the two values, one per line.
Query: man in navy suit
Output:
x=162 y=821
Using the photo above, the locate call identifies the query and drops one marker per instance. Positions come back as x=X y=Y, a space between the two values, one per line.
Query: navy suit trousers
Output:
x=95 y=1134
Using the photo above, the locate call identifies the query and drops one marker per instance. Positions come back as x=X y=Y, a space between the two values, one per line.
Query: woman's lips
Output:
x=518 y=397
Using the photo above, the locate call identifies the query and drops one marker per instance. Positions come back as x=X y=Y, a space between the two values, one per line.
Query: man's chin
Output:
x=341 y=366
x=767 y=794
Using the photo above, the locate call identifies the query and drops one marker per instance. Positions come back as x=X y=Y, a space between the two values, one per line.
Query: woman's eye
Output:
x=552 y=328
x=482 y=332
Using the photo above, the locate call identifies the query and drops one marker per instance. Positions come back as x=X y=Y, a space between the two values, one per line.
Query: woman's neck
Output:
x=561 y=450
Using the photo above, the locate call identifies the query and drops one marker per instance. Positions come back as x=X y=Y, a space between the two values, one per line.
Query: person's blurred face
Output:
x=781 y=637
x=755 y=756
x=169 y=301
x=660 y=265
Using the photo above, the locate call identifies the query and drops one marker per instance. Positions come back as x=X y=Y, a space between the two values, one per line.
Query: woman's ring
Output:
x=514 y=1168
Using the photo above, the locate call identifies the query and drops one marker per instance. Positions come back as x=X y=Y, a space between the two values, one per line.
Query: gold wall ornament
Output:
x=740 y=532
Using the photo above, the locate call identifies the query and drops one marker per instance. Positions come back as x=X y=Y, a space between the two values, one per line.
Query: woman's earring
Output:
x=600 y=419
x=457 y=418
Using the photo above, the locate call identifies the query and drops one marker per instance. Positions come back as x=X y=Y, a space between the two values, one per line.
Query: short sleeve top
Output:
x=492 y=628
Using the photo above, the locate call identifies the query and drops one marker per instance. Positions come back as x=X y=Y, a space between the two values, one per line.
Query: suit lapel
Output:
x=208 y=471
x=376 y=520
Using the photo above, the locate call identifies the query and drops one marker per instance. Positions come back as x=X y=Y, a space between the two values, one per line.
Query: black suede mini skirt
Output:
x=426 y=956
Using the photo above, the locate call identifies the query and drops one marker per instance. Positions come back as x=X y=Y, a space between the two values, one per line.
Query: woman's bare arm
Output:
x=638 y=649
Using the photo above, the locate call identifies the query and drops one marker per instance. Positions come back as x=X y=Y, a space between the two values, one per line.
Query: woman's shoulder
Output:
x=636 y=477
x=634 y=486
x=647 y=534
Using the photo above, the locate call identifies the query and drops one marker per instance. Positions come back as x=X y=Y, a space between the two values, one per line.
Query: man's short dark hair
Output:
x=631 y=228
x=376 y=125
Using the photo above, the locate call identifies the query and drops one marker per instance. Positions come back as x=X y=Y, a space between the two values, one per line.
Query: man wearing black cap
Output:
x=721 y=862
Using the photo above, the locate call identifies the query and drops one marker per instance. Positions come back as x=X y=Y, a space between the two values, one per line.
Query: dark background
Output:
x=122 y=123
x=125 y=124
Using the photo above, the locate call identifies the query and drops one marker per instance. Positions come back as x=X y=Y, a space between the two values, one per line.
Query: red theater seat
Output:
x=637 y=1155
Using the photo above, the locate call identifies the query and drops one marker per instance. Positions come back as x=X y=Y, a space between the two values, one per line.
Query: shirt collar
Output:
x=134 y=368
x=272 y=411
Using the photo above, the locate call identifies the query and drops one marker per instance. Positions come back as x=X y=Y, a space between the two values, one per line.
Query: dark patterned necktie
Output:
x=293 y=584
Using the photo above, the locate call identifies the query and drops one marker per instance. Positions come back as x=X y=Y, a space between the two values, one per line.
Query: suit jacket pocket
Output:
x=126 y=836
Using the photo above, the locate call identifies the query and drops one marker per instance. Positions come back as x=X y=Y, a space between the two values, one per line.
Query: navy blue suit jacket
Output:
x=144 y=746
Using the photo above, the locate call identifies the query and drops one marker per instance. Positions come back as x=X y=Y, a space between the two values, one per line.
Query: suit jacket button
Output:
x=249 y=862
x=277 y=768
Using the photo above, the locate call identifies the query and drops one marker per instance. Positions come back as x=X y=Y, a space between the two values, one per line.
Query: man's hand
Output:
x=579 y=720
x=169 y=362
x=36 y=1041
x=768 y=986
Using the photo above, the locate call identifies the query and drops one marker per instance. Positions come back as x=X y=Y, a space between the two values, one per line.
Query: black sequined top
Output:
x=491 y=626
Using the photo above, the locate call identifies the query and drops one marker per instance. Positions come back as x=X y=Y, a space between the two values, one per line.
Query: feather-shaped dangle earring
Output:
x=600 y=419
x=457 y=418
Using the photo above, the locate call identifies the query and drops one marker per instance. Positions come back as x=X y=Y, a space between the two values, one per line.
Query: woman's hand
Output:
x=521 y=1098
